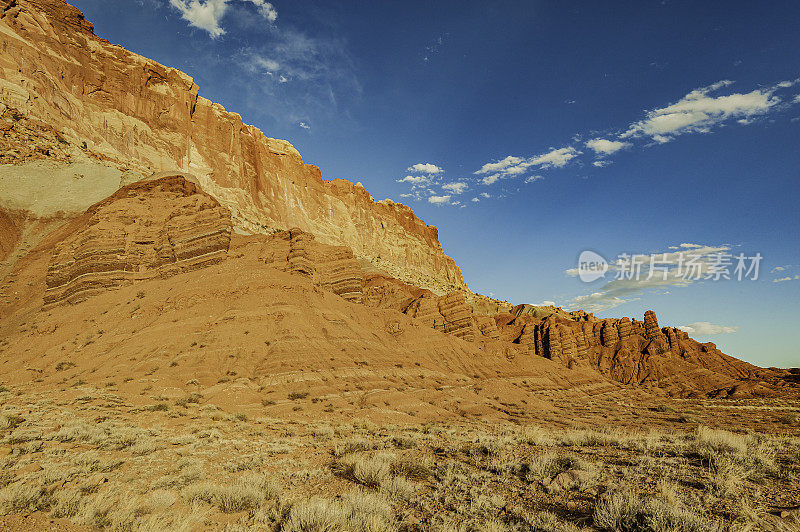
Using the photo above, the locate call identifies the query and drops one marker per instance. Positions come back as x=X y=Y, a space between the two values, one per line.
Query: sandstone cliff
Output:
x=67 y=95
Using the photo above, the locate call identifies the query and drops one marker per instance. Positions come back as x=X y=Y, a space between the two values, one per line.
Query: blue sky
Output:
x=531 y=131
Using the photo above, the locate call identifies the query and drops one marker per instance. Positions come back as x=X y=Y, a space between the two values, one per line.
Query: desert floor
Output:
x=82 y=457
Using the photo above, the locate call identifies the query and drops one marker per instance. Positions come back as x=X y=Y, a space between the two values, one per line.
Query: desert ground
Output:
x=81 y=458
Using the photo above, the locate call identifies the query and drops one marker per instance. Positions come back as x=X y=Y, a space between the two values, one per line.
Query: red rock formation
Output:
x=149 y=229
x=628 y=351
x=333 y=268
x=135 y=113
x=449 y=314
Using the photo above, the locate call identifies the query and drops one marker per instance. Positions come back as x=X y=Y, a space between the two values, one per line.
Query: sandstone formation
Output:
x=167 y=229
x=332 y=268
x=154 y=228
x=628 y=351
x=449 y=314
x=68 y=95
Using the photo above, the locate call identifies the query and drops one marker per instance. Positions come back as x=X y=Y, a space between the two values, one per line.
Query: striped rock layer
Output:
x=155 y=228
x=332 y=268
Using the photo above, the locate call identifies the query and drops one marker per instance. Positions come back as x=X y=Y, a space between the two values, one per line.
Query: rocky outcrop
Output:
x=449 y=314
x=154 y=228
x=332 y=268
x=118 y=108
x=629 y=351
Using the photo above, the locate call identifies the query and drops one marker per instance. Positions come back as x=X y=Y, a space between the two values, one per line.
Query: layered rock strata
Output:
x=155 y=228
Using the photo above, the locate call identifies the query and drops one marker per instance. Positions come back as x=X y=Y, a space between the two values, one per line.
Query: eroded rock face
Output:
x=155 y=228
x=449 y=314
x=628 y=351
x=98 y=100
x=332 y=268
x=9 y=234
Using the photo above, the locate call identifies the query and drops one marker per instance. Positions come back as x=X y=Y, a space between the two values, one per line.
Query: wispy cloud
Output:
x=700 y=111
x=513 y=166
x=664 y=271
x=296 y=77
x=414 y=179
x=425 y=168
x=500 y=165
x=704 y=328
x=457 y=187
x=207 y=14
x=439 y=200
x=787 y=278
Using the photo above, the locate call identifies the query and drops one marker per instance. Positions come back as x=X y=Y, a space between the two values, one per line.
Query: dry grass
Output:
x=625 y=510
x=108 y=465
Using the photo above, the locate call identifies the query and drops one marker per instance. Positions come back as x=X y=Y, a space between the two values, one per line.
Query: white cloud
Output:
x=490 y=179
x=533 y=178
x=606 y=147
x=439 y=200
x=704 y=328
x=787 y=278
x=416 y=180
x=269 y=66
x=425 y=168
x=456 y=188
x=499 y=165
x=304 y=125
x=601 y=163
x=797 y=99
x=697 y=112
x=554 y=158
x=486 y=195
x=598 y=301
x=476 y=200
x=207 y=14
x=266 y=10
x=513 y=166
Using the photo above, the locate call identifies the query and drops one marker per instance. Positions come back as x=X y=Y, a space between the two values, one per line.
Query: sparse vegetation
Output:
x=276 y=475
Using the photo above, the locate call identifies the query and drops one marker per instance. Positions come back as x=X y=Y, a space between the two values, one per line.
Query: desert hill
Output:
x=151 y=288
